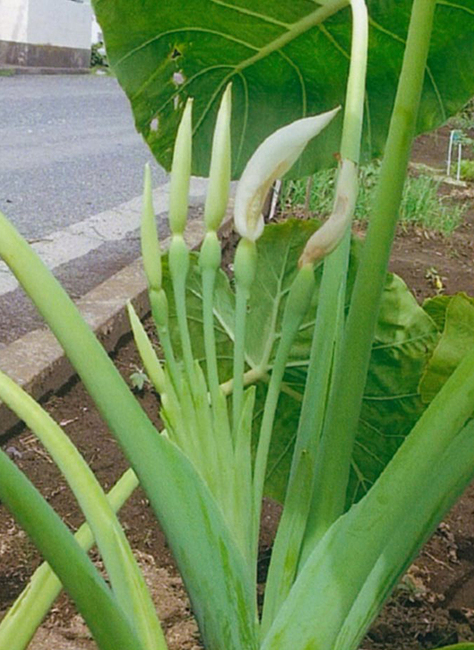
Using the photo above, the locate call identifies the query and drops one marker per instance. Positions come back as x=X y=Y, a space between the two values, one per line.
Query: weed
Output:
x=420 y=205
x=467 y=170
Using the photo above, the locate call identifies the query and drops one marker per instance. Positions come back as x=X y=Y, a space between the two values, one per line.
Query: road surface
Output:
x=69 y=155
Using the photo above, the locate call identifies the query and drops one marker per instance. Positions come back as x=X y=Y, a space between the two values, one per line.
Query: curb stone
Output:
x=37 y=362
x=7 y=70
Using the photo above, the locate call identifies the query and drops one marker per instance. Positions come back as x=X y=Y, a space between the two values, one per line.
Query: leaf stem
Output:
x=20 y=623
x=327 y=331
x=109 y=625
x=344 y=406
x=296 y=307
x=179 y=267
x=245 y=262
x=209 y=261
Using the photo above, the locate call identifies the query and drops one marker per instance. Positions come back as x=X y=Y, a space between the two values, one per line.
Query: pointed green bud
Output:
x=210 y=254
x=159 y=307
x=149 y=236
x=178 y=257
x=219 y=175
x=245 y=263
x=181 y=172
x=148 y=355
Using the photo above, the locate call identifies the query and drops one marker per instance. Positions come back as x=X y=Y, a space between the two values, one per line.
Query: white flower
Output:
x=328 y=237
x=272 y=159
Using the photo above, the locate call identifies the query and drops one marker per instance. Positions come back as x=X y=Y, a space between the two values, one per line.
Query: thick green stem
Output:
x=179 y=267
x=329 y=323
x=355 y=96
x=345 y=403
x=296 y=307
x=245 y=263
x=328 y=329
x=209 y=262
x=159 y=311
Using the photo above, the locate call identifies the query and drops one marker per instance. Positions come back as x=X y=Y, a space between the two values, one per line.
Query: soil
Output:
x=434 y=603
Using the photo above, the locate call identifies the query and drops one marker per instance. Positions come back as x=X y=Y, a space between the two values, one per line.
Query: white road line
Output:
x=77 y=240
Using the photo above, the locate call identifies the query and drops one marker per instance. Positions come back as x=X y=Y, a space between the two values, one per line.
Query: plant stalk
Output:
x=328 y=329
x=344 y=406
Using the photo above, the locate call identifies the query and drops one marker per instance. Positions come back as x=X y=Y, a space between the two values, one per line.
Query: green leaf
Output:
x=366 y=548
x=405 y=338
x=436 y=308
x=21 y=621
x=283 y=66
x=457 y=339
x=107 y=621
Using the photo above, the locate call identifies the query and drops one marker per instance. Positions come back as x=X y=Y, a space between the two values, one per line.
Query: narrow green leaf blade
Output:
x=20 y=623
x=452 y=473
x=127 y=581
x=107 y=622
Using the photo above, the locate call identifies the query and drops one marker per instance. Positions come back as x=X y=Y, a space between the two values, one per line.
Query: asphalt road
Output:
x=68 y=149
x=69 y=154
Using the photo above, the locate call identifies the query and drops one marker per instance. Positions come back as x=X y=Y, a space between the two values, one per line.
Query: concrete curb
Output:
x=37 y=362
x=11 y=70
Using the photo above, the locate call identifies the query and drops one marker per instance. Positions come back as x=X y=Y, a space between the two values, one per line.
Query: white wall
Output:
x=14 y=20
x=62 y=23
x=96 y=34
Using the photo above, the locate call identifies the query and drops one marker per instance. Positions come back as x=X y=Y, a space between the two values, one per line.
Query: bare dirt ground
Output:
x=434 y=603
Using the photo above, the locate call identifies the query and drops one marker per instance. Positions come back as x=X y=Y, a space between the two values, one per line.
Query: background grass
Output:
x=421 y=202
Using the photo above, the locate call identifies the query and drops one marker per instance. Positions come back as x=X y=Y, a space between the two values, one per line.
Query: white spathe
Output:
x=272 y=159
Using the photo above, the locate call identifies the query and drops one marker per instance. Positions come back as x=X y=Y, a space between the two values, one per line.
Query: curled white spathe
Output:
x=272 y=159
x=329 y=236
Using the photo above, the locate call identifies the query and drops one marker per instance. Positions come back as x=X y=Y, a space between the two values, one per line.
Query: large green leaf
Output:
x=457 y=339
x=405 y=338
x=282 y=65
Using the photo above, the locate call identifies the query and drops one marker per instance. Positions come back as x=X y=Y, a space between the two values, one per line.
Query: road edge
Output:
x=37 y=362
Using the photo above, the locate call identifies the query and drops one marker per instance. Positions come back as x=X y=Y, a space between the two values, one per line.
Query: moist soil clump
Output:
x=434 y=603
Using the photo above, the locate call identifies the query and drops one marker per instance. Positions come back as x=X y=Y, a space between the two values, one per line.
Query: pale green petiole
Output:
x=344 y=406
x=107 y=621
x=159 y=311
x=245 y=262
x=151 y=253
x=179 y=267
x=147 y=354
x=328 y=330
x=209 y=262
x=21 y=621
x=126 y=578
x=298 y=301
